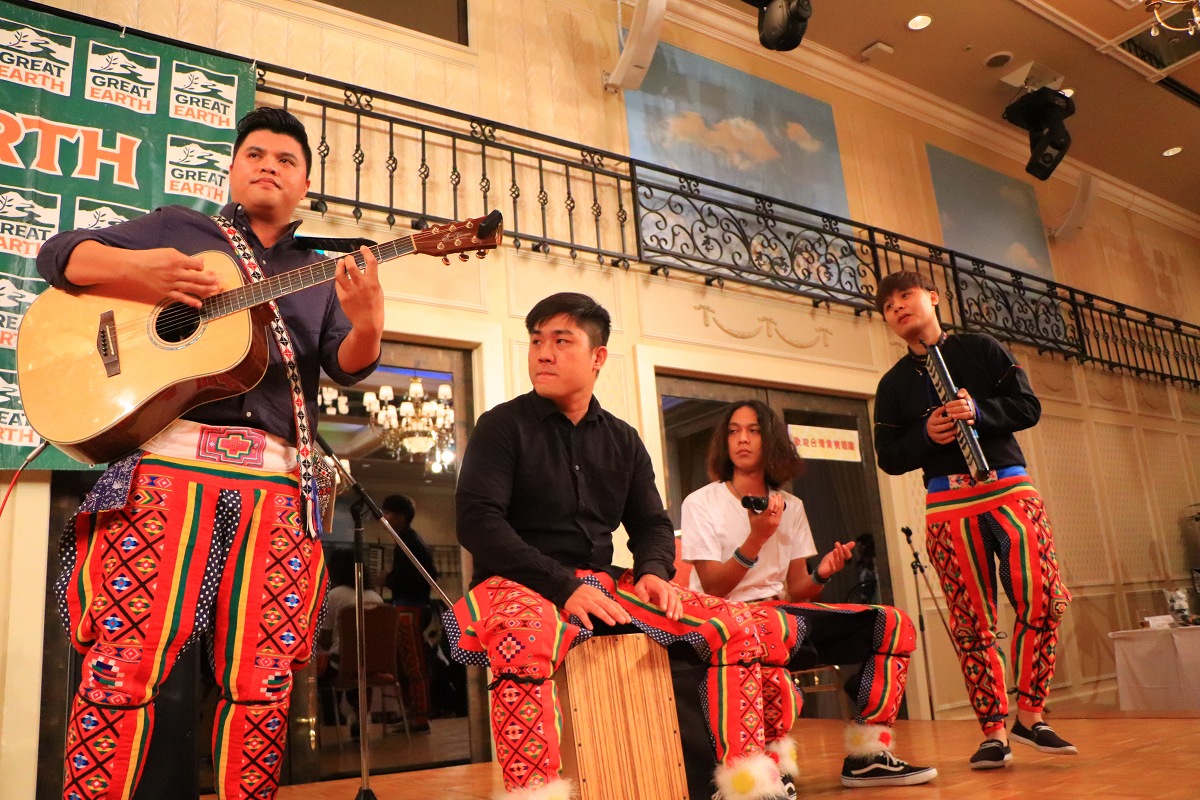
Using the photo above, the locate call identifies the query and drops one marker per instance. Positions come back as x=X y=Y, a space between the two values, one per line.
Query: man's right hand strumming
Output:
x=588 y=601
x=161 y=272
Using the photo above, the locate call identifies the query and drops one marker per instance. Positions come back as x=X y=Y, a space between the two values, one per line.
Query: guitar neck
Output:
x=253 y=294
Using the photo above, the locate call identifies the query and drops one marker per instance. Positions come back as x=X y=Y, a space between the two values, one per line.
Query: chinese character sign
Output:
x=827 y=444
x=96 y=128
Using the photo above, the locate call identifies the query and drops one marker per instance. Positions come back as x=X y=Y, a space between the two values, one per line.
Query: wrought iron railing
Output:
x=413 y=163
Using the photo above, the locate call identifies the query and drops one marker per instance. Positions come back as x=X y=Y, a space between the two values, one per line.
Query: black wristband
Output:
x=816 y=576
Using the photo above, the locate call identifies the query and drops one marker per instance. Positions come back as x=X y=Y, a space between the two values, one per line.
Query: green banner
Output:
x=97 y=127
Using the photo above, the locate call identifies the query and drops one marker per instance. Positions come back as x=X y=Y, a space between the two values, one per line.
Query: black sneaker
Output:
x=1042 y=738
x=789 y=787
x=992 y=754
x=882 y=769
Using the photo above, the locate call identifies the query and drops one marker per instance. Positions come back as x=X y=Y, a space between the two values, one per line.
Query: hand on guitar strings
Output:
x=160 y=273
x=359 y=292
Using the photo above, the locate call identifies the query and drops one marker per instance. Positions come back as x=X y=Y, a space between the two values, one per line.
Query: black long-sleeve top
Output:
x=539 y=497
x=1004 y=400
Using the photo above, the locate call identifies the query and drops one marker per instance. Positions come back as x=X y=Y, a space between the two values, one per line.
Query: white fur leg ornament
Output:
x=784 y=751
x=752 y=777
x=560 y=789
x=867 y=740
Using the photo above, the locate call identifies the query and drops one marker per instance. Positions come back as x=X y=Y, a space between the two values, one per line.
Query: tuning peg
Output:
x=463 y=257
x=446 y=260
x=480 y=253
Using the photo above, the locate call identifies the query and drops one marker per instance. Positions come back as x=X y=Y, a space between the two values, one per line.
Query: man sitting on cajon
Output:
x=545 y=480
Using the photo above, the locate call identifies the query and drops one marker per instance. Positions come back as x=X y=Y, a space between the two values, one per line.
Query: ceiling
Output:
x=1124 y=119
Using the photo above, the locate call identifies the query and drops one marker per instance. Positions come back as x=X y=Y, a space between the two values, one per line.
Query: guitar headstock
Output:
x=479 y=234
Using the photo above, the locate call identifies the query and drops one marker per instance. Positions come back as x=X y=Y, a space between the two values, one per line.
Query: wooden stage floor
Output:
x=1120 y=757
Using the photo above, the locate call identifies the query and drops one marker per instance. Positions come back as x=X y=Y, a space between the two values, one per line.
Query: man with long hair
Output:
x=761 y=557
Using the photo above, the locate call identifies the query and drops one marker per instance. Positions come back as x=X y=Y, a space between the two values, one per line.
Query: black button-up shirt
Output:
x=539 y=497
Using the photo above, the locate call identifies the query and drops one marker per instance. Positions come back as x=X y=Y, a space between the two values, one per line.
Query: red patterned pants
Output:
x=970 y=531
x=881 y=638
x=196 y=547
x=524 y=638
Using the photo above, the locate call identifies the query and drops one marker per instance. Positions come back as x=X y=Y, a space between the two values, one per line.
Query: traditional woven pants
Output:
x=969 y=531
x=881 y=638
x=196 y=547
x=524 y=638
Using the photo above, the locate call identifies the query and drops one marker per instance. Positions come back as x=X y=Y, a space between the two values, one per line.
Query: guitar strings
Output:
x=179 y=317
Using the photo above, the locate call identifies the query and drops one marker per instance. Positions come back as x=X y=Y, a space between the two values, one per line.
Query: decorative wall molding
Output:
x=765 y=325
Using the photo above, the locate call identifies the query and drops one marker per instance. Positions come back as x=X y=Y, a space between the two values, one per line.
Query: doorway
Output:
x=839 y=486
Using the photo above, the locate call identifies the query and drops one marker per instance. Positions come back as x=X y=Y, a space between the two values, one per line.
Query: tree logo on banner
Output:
x=122 y=78
x=196 y=168
x=203 y=96
x=34 y=57
x=27 y=219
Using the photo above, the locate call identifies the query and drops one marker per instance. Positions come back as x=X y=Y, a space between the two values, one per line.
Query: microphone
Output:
x=755 y=503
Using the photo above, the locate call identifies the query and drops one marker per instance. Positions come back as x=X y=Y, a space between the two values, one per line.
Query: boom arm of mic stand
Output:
x=378 y=514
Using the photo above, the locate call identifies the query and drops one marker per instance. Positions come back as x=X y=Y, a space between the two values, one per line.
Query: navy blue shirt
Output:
x=313 y=316
x=539 y=497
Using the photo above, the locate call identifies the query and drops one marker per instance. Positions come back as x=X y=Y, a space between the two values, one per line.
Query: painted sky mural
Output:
x=697 y=116
x=989 y=214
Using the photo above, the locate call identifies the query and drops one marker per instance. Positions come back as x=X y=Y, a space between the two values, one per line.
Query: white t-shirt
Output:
x=340 y=597
x=715 y=524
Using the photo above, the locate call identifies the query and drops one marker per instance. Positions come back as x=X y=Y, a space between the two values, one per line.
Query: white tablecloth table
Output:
x=1158 y=669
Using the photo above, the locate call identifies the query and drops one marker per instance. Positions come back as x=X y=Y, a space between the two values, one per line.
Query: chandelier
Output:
x=414 y=425
x=1191 y=25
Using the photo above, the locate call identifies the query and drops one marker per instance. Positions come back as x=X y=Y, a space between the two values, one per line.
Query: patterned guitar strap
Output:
x=305 y=454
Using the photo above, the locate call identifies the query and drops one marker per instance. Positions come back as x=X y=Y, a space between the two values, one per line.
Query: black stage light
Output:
x=781 y=23
x=1041 y=112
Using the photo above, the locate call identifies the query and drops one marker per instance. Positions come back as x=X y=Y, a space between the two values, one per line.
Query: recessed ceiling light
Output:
x=920 y=22
x=1068 y=92
x=998 y=59
x=1172 y=151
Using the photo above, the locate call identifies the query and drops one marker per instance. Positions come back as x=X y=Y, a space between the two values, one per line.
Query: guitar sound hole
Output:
x=176 y=322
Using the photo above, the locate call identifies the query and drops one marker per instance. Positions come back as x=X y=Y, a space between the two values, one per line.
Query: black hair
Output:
x=899 y=282
x=781 y=462
x=340 y=564
x=275 y=120
x=400 y=504
x=583 y=311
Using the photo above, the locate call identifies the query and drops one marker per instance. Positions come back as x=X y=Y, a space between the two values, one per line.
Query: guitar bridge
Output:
x=106 y=344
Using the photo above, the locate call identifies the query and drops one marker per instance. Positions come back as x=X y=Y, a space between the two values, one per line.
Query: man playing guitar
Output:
x=210 y=525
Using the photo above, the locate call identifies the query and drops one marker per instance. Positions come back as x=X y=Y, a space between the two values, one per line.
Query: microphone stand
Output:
x=365 y=503
x=918 y=567
x=360 y=647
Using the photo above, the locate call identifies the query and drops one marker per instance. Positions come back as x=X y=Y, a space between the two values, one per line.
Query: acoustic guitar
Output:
x=101 y=372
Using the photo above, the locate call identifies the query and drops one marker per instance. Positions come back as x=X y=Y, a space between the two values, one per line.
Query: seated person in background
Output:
x=340 y=596
x=405 y=581
x=410 y=589
x=545 y=480
x=761 y=558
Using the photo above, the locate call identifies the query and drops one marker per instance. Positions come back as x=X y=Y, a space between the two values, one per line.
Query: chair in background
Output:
x=380 y=625
x=414 y=664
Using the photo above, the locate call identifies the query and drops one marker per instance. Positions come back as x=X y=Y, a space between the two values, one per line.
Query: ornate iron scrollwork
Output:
x=357 y=99
x=483 y=130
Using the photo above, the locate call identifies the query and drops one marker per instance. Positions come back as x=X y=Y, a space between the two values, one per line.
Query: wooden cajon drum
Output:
x=620 y=738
